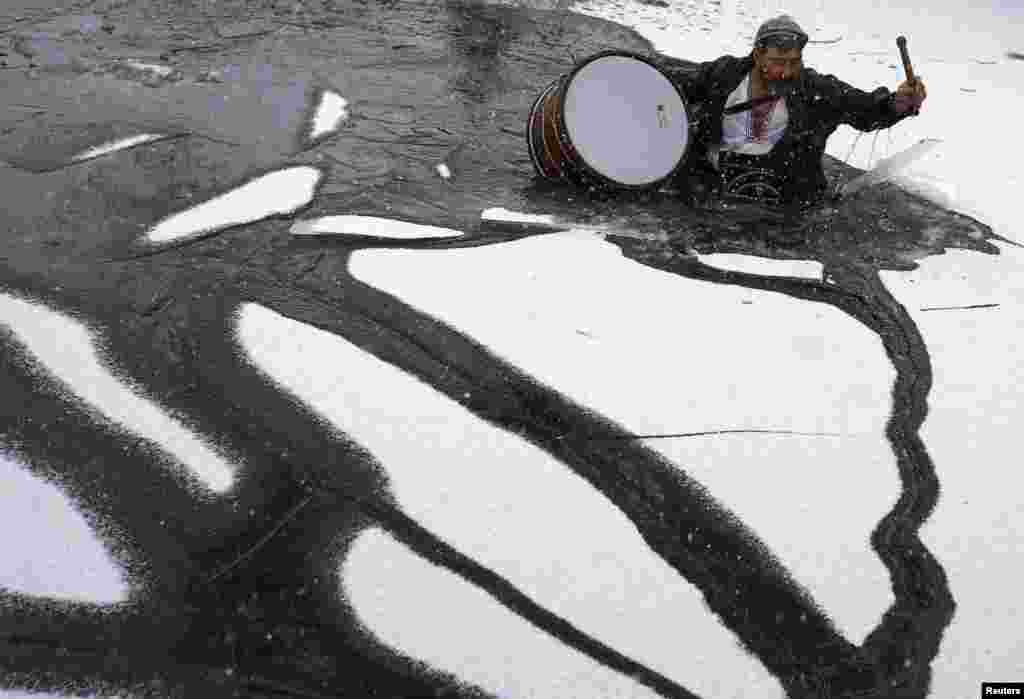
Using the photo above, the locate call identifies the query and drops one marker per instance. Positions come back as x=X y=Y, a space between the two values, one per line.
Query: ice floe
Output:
x=277 y=193
x=803 y=269
x=371 y=226
x=330 y=113
x=500 y=214
x=114 y=146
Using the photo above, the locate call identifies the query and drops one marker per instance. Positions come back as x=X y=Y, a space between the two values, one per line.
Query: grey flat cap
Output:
x=780 y=31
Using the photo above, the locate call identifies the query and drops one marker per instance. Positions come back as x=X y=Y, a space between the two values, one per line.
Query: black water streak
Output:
x=263 y=541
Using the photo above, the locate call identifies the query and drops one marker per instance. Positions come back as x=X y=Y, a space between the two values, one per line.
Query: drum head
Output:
x=626 y=120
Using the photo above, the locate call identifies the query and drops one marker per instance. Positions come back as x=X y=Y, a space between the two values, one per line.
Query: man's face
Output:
x=779 y=67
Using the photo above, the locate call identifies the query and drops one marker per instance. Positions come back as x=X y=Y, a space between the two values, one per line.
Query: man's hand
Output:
x=909 y=96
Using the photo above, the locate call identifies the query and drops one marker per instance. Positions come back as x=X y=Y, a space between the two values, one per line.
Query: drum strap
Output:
x=750 y=104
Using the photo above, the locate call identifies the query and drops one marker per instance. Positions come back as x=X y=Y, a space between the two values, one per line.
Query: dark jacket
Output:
x=817 y=106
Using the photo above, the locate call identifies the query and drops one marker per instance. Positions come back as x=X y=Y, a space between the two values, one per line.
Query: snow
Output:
x=281 y=192
x=483 y=643
x=330 y=113
x=162 y=71
x=63 y=558
x=887 y=168
x=69 y=351
x=570 y=329
x=801 y=269
x=502 y=501
x=500 y=214
x=114 y=146
x=370 y=226
x=443 y=171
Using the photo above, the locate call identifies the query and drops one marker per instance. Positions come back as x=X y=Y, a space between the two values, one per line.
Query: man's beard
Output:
x=781 y=87
x=775 y=83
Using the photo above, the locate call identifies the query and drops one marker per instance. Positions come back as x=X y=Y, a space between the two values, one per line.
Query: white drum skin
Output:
x=626 y=120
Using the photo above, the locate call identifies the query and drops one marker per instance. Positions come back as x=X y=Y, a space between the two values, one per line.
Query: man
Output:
x=760 y=123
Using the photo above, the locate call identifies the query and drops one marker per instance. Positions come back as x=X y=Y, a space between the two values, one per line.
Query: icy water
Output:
x=301 y=451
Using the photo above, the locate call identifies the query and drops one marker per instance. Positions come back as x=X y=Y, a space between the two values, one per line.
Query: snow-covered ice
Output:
x=802 y=269
x=70 y=351
x=501 y=500
x=483 y=643
x=370 y=226
x=330 y=113
x=276 y=193
x=156 y=69
x=501 y=214
x=62 y=558
x=664 y=354
x=115 y=146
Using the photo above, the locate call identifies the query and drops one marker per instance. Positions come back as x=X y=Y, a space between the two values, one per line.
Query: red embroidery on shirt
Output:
x=760 y=116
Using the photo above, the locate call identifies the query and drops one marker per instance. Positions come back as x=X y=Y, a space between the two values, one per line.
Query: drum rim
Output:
x=537 y=159
x=564 y=134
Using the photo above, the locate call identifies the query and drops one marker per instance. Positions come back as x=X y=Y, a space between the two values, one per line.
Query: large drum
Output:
x=615 y=121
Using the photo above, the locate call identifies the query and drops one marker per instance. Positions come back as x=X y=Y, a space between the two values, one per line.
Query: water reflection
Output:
x=480 y=35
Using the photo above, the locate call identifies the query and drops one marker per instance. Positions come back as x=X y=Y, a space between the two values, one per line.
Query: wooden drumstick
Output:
x=901 y=42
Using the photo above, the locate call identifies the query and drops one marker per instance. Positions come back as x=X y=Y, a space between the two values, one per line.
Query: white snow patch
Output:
x=370 y=226
x=499 y=214
x=162 y=71
x=277 y=193
x=502 y=501
x=68 y=350
x=113 y=146
x=483 y=643
x=443 y=171
x=331 y=111
x=659 y=353
x=804 y=269
x=888 y=167
x=60 y=556
x=937 y=190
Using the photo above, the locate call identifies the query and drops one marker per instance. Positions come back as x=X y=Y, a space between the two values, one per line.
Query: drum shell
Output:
x=553 y=155
x=551 y=148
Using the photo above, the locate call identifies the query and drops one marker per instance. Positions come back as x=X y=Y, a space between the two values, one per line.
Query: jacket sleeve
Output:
x=864 y=111
x=693 y=79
